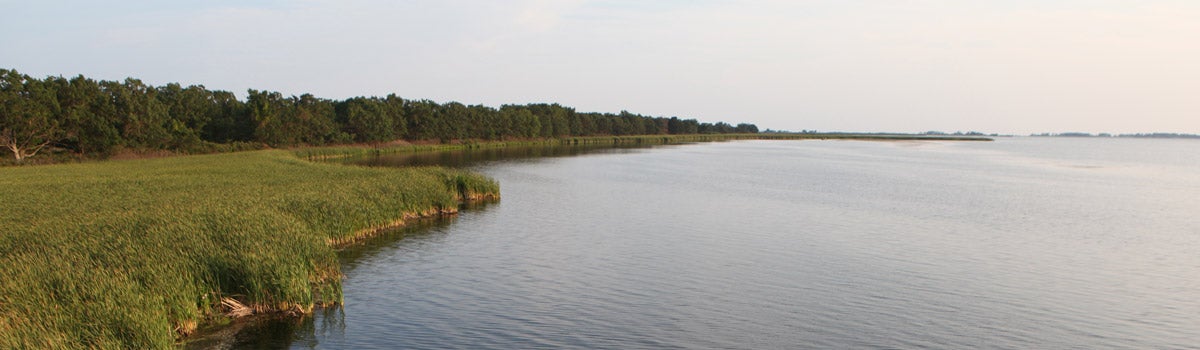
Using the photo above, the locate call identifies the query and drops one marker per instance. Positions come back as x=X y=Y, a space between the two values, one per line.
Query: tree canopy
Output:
x=96 y=118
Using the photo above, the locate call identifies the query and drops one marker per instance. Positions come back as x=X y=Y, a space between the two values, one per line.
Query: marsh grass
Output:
x=335 y=152
x=133 y=254
x=350 y=151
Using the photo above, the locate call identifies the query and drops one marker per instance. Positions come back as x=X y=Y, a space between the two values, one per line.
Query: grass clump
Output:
x=133 y=254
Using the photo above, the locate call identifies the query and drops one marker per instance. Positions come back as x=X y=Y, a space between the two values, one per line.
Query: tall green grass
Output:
x=131 y=254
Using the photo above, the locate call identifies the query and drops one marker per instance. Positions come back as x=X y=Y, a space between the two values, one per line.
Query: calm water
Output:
x=1019 y=243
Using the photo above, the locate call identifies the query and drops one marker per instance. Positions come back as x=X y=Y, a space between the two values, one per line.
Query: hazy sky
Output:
x=1007 y=66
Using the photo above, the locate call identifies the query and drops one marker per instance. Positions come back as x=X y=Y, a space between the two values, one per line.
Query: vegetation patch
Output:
x=134 y=254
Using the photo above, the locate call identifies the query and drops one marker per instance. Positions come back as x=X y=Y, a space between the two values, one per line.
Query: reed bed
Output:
x=134 y=254
x=334 y=152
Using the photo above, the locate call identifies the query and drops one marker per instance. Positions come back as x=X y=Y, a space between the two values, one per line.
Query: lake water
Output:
x=1021 y=243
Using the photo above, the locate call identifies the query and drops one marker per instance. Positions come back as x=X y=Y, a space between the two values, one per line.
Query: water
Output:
x=1020 y=243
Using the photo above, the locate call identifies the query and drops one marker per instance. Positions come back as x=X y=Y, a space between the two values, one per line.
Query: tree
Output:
x=366 y=120
x=230 y=121
x=553 y=119
x=422 y=122
x=266 y=110
x=521 y=122
x=188 y=110
x=451 y=119
x=311 y=121
x=142 y=117
x=394 y=108
x=27 y=115
x=747 y=128
x=97 y=118
x=88 y=116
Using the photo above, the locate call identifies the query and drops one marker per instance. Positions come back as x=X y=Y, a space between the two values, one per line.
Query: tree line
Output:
x=95 y=119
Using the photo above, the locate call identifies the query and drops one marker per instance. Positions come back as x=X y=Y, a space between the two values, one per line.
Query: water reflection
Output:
x=420 y=230
x=265 y=332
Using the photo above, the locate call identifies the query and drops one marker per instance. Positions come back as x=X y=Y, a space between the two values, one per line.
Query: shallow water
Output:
x=1020 y=243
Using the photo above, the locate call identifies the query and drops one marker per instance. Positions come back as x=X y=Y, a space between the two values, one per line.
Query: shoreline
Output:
x=237 y=316
x=405 y=219
x=329 y=152
x=225 y=330
x=235 y=310
x=188 y=240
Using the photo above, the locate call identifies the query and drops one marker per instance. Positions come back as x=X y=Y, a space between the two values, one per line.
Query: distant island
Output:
x=927 y=133
x=1156 y=135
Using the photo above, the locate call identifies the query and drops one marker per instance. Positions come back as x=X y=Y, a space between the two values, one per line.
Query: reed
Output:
x=347 y=151
x=134 y=254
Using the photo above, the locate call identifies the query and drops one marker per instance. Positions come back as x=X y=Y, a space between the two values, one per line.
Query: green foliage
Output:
x=296 y=120
x=125 y=254
x=142 y=118
x=90 y=117
x=231 y=121
x=98 y=118
x=28 y=115
x=372 y=120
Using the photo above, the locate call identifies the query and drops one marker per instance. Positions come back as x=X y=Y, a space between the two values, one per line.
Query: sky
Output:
x=1003 y=66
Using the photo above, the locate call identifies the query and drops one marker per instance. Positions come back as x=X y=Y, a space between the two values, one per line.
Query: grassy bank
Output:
x=316 y=153
x=130 y=254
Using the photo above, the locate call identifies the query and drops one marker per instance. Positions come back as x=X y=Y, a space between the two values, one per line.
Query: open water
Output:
x=1021 y=243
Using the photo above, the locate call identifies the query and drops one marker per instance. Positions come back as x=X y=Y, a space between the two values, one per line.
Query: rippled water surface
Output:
x=1020 y=243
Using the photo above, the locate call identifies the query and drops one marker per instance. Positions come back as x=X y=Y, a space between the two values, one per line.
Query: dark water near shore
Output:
x=1020 y=243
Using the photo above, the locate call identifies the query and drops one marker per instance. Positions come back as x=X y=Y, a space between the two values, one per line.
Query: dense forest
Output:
x=95 y=119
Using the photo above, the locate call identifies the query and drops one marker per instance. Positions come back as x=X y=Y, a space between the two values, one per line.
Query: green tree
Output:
x=394 y=108
x=523 y=122
x=28 y=112
x=422 y=122
x=142 y=118
x=553 y=119
x=267 y=111
x=188 y=110
x=88 y=116
x=95 y=118
x=746 y=128
x=230 y=121
x=451 y=120
x=312 y=121
x=366 y=120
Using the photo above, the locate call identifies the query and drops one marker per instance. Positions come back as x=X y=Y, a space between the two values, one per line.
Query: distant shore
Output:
x=1156 y=135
